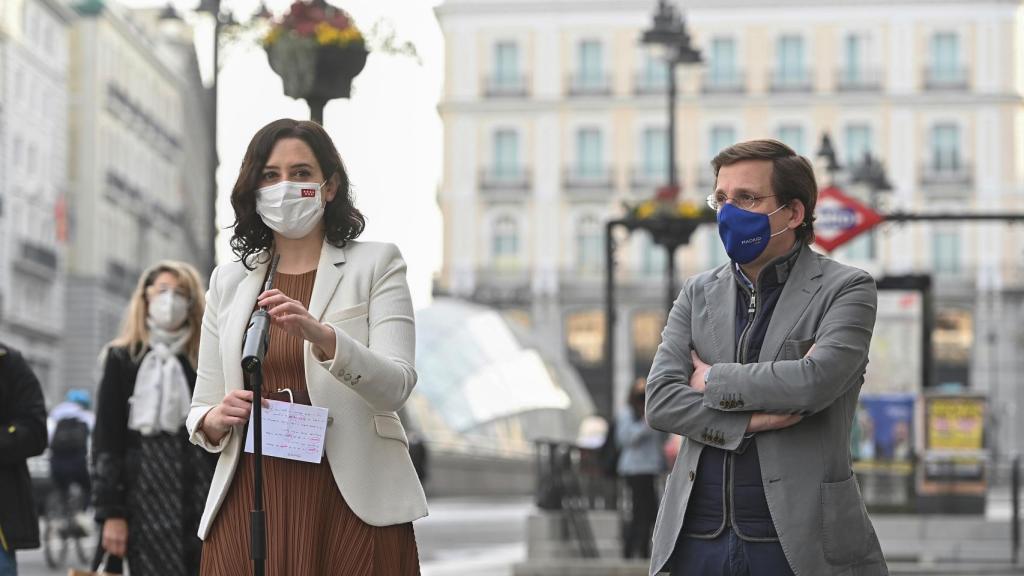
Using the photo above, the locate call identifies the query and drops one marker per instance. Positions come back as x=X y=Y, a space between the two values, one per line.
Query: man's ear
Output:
x=796 y=215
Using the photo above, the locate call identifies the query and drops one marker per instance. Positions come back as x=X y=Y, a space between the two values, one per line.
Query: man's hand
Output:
x=763 y=422
x=699 y=369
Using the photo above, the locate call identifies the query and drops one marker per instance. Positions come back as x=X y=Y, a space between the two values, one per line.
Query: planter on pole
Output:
x=317 y=51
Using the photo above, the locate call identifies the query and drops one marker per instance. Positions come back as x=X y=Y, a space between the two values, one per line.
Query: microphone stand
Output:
x=254 y=348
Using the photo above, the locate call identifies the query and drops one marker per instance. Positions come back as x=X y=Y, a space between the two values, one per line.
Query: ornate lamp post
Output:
x=669 y=36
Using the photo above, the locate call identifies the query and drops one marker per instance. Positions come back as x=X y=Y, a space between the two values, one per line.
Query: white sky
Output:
x=388 y=133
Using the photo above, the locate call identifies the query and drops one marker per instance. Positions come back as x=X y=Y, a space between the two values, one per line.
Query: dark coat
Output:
x=115 y=448
x=23 y=435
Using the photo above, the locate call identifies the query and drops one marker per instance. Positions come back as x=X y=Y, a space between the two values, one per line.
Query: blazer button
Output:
x=692 y=475
x=347 y=377
x=723 y=404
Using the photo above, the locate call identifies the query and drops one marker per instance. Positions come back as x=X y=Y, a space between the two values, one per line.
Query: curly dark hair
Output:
x=342 y=221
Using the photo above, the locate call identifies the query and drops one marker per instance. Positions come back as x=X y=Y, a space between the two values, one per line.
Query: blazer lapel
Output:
x=803 y=283
x=238 y=320
x=720 y=309
x=328 y=274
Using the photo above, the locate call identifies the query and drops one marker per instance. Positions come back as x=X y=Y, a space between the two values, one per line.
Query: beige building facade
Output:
x=554 y=116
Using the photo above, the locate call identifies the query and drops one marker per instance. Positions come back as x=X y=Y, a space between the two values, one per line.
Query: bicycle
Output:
x=63 y=529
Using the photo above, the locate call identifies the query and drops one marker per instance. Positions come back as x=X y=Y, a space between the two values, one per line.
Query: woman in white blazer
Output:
x=341 y=338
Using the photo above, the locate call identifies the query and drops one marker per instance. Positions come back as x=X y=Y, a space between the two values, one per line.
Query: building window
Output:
x=589 y=152
x=589 y=244
x=722 y=64
x=792 y=136
x=652 y=256
x=591 y=63
x=655 y=153
x=854 y=73
x=584 y=336
x=506 y=154
x=945 y=149
x=945 y=54
x=655 y=73
x=505 y=242
x=857 y=144
x=791 y=69
x=720 y=138
x=506 y=77
x=506 y=63
x=946 y=252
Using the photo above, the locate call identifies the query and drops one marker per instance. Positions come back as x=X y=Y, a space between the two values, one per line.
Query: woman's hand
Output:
x=115 y=536
x=763 y=422
x=233 y=410
x=292 y=317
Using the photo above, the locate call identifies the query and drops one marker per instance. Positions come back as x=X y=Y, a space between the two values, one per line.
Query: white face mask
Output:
x=168 y=310
x=292 y=209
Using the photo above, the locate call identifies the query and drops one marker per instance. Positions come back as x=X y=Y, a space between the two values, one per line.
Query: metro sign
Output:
x=841 y=218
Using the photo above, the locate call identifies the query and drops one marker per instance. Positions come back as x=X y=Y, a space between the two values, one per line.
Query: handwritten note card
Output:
x=292 y=431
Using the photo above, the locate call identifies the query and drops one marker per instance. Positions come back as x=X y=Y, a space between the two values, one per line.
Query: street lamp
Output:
x=828 y=154
x=668 y=35
x=220 y=20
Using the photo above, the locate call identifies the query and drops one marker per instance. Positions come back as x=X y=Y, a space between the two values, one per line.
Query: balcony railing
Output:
x=590 y=85
x=791 y=81
x=646 y=84
x=585 y=178
x=724 y=82
x=858 y=80
x=956 y=173
x=946 y=78
x=505 y=182
x=647 y=178
x=507 y=86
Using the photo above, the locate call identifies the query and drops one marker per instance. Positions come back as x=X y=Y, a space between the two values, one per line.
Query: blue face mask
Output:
x=744 y=233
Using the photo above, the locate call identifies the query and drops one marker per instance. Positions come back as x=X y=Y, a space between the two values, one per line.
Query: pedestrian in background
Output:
x=70 y=425
x=22 y=435
x=641 y=461
x=342 y=338
x=149 y=481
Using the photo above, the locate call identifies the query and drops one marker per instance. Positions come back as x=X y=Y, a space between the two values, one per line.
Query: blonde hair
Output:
x=134 y=333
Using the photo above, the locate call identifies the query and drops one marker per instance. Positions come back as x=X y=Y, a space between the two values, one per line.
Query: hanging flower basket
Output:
x=317 y=50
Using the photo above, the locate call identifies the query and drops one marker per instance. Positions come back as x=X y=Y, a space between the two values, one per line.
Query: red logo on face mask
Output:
x=309 y=192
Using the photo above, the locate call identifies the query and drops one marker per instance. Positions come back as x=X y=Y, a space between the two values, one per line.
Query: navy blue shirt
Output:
x=728 y=490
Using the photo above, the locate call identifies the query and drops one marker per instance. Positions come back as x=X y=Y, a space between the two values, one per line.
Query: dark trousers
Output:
x=68 y=471
x=727 y=555
x=636 y=542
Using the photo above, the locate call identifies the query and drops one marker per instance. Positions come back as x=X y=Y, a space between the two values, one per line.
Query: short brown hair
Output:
x=342 y=221
x=792 y=176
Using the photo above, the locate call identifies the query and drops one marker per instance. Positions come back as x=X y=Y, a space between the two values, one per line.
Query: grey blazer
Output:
x=813 y=497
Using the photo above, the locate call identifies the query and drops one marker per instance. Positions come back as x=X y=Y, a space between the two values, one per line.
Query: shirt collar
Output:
x=775 y=273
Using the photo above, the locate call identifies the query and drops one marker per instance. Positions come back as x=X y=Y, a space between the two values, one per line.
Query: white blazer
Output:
x=361 y=291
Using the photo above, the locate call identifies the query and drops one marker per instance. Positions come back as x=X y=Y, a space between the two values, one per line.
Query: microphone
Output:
x=257 y=335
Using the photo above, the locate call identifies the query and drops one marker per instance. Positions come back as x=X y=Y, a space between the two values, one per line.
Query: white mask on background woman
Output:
x=292 y=209
x=168 y=310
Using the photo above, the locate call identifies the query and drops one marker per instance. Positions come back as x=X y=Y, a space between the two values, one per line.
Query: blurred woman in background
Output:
x=149 y=482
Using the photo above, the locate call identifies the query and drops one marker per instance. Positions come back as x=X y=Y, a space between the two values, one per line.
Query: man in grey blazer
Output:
x=759 y=369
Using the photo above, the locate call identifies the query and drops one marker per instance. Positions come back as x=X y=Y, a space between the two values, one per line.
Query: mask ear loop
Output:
x=783 y=231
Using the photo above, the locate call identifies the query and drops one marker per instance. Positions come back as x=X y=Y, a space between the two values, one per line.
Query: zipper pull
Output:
x=753 y=303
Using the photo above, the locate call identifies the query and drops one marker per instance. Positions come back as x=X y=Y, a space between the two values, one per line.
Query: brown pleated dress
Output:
x=310 y=529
